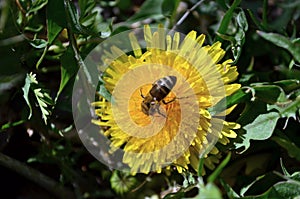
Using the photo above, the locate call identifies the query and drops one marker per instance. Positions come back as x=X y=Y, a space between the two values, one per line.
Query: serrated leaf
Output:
x=260 y=129
x=282 y=42
x=42 y=97
x=288 y=109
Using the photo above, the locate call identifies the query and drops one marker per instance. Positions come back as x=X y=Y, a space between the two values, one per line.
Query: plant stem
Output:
x=35 y=176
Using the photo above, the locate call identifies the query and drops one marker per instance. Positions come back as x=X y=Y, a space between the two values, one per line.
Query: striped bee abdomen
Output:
x=162 y=87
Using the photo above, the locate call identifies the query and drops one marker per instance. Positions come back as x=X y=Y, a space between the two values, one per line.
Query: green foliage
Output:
x=292 y=149
x=43 y=98
x=287 y=187
x=56 y=19
x=292 y=46
x=43 y=43
x=149 y=10
x=260 y=129
x=169 y=7
x=122 y=182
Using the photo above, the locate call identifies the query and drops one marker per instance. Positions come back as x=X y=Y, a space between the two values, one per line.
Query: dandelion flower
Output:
x=180 y=131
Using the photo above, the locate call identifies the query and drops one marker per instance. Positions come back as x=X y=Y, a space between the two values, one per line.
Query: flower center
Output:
x=140 y=102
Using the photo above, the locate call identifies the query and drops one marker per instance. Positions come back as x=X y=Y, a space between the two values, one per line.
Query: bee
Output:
x=160 y=89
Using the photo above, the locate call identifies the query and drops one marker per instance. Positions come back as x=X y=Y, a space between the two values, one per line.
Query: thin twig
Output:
x=186 y=14
x=35 y=176
x=84 y=76
x=20 y=7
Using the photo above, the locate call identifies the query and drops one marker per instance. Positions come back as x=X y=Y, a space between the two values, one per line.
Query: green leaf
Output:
x=269 y=93
x=292 y=149
x=282 y=42
x=229 y=191
x=150 y=9
x=288 y=109
x=122 y=182
x=219 y=169
x=189 y=179
x=228 y=17
x=288 y=190
x=73 y=18
x=105 y=93
x=208 y=192
x=296 y=176
x=247 y=187
x=43 y=99
x=260 y=129
x=169 y=7
x=86 y=6
x=285 y=172
x=288 y=85
x=269 y=194
x=237 y=35
x=56 y=19
x=238 y=97
x=255 y=20
x=265 y=183
x=242 y=20
x=178 y=195
x=69 y=68
x=26 y=88
x=200 y=166
x=41 y=95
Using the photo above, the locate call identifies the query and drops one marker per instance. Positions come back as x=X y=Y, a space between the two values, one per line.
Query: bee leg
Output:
x=155 y=109
x=172 y=100
x=158 y=111
x=141 y=93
